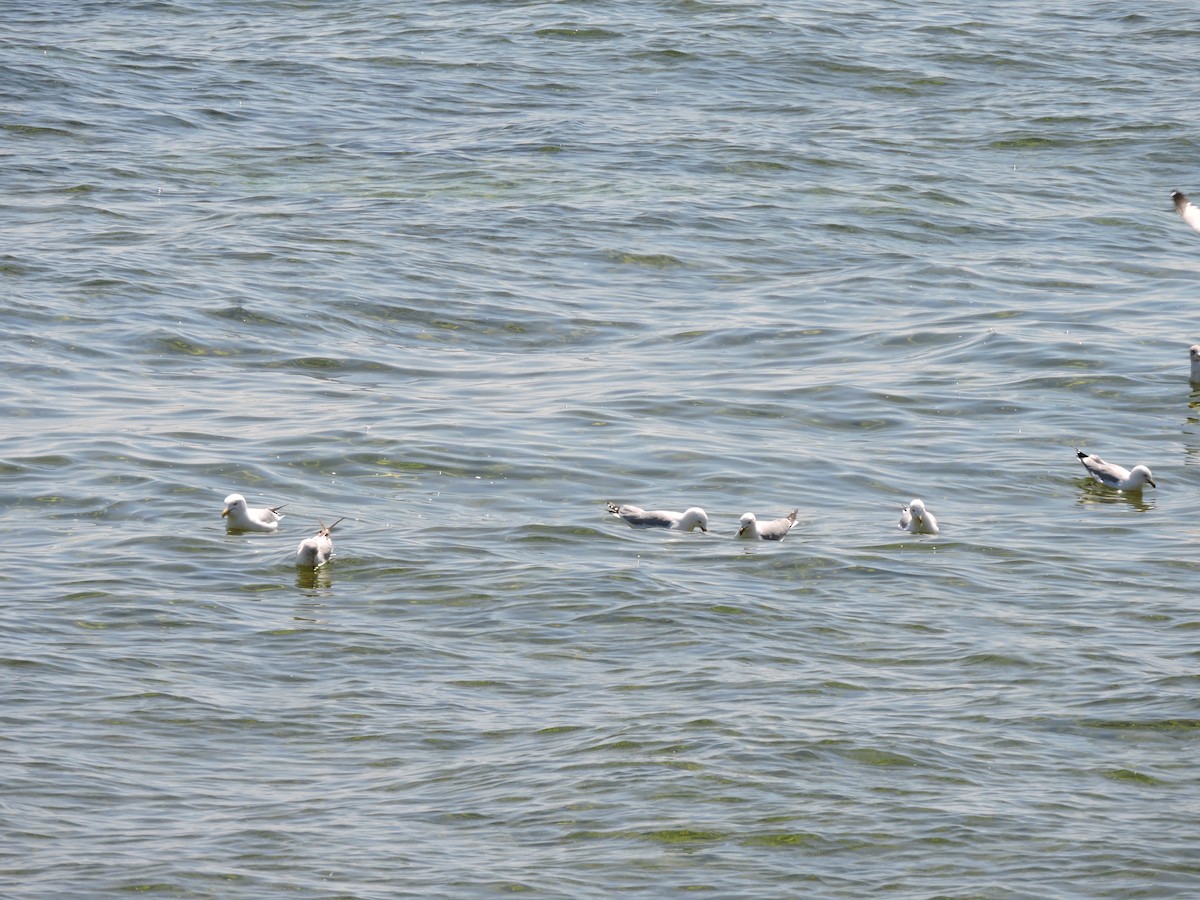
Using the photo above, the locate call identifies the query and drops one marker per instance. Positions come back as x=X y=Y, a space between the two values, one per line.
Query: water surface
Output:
x=466 y=272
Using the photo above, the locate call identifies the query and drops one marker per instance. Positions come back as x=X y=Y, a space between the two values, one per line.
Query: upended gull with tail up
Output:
x=315 y=551
x=1187 y=210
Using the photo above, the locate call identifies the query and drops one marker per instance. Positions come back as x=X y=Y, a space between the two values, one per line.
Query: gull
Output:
x=249 y=518
x=1194 y=352
x=916 y=519
x=315 y=551
x=775 y=530
x=690 y=518
x=1184 y=207
x=1114 y=476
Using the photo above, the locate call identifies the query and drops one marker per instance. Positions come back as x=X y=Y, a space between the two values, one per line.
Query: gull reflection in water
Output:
x=1092 y=492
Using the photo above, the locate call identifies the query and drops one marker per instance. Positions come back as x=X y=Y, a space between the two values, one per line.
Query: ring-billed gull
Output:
x=775 y=530
x=249 y=518
x=1115 y=476
x=916 y=519
x=1194 y=353
x=690 y=518
x=1184 y=207
x=315 y=551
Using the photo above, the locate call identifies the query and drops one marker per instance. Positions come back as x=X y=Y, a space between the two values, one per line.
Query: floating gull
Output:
x=916 y=519
x=315 y=551
x=1194 y=352
x=1184 y=207
x=1115 y=476
x=693 y=517
x=776 y=530
x=245 y=518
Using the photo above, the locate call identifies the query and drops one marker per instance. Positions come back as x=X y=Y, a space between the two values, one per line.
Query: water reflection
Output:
x=1190 y=428
x=1093 y=492
x=311 y=579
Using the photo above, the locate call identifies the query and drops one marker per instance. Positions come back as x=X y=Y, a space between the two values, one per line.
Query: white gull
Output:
x=916 y=519
x=775 y=530
x=249 y=518
x=693 y=517
x=1185 y=208
x=316 y=551
x=1114 y=476
x=1194 y=353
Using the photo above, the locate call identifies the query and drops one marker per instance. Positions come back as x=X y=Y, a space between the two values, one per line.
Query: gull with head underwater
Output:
x=315 y=551
x=1186 y=209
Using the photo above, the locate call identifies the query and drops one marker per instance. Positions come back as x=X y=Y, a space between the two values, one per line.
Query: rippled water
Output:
x=464 y=272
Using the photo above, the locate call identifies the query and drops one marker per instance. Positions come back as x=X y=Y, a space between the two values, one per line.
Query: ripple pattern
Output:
x=463 y=273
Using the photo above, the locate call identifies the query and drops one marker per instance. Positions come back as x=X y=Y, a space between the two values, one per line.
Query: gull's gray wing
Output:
x=1104 y=472
x=650 y=518
x=778 y=529
x=640 y=518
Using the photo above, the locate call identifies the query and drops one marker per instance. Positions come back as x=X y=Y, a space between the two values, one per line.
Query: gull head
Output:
x=747 y=529
x=694 y=517
x=1194 y=354
x=234 y=502
x=1140 y=475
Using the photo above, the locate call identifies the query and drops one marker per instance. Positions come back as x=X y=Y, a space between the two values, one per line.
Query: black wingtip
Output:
x=1080 y=453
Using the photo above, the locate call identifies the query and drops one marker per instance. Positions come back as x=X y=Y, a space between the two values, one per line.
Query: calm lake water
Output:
x=465 y=272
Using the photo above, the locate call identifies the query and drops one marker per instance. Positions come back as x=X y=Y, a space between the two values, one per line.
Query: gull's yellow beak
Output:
x=224 y=512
